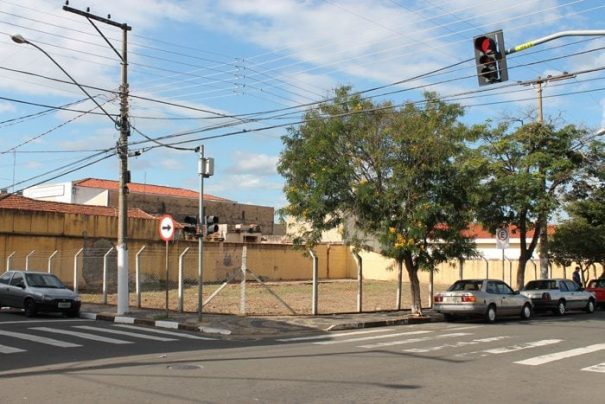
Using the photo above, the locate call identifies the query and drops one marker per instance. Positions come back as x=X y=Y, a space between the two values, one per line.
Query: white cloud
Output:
x=250 y=164
x=6 y=107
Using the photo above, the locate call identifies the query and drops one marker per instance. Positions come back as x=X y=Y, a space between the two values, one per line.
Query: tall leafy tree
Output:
x=527 y=172
x=581 y=238
x=399 y=174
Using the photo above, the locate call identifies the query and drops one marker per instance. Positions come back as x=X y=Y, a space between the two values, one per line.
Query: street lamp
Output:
x=122 y=150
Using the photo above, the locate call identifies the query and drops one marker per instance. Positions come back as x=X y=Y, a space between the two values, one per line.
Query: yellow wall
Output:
x=22 y=232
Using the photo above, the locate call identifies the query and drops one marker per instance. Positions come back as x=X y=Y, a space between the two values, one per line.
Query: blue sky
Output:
x=195 y=66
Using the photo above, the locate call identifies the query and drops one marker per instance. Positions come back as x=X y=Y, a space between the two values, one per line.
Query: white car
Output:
x=559 y=296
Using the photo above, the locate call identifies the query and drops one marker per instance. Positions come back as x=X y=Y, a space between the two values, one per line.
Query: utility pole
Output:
x=122 y=150
x=543 y=217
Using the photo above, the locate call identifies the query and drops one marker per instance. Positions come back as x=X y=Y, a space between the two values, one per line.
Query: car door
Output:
x=4 y=288
x=16 y=290
x=494 y=296
x=511 y=302
x=575 y=297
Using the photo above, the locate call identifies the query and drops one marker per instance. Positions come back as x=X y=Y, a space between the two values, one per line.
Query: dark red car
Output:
x=597 y=288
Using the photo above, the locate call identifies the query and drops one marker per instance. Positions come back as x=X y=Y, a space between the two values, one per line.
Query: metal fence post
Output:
x=50 y=259
x=105 y=275
x=137 y=276
x=535 y=269
x=314 y=290
x=242 y=300
x=359 y=262
x=9 y=260
x=181 y=271
x=27 y=259
x=486 y=267
x=461 y=268
x=76 y=269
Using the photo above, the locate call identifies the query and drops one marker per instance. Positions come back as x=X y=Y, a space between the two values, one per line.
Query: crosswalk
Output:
x=76 y=336
x=460 y=342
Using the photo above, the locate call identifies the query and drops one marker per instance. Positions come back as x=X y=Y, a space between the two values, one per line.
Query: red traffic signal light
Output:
x=490 y=58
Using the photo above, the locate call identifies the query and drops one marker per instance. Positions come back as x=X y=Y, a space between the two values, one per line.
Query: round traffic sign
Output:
x=502 y=234
x=166 y=228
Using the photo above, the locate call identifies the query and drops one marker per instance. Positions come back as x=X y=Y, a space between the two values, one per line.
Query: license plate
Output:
x=64 y=305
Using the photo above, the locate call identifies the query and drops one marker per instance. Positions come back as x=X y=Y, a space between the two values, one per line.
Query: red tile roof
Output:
x=478 y=231
x=134 y=187
x=18 y=202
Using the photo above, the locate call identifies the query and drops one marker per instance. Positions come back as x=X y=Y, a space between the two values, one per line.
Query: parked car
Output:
x=37 y=292
x=597 y=288
x=487 y=298
x=558 y=296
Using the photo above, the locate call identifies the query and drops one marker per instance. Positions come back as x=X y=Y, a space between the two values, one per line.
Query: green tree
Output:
x=526 y=172
x=399 y=174
x=581 y=238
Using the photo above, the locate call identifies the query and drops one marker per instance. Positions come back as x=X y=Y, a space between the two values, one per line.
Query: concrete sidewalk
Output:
x=255 y=327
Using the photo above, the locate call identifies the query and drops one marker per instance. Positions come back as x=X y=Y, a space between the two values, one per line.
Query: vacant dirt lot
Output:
x=280 y=298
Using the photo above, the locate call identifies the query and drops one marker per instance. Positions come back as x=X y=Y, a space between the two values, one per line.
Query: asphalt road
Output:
x=549 y=359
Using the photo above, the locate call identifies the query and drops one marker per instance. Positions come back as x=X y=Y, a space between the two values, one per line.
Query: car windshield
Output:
x=43 y=281
x=466 y=285
x=597 y=283
x=539 y=285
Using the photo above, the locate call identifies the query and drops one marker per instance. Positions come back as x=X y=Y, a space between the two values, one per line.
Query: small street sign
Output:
x=502 y=238
x=166 y=228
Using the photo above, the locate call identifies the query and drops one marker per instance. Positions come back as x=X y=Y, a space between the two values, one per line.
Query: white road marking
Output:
x=9 y=349
x=540 y=360
x=600 y=368
x=83 y=335
x=331 y=335
x=342 y=341
x=413 y=340
x=128 y=334
x=459 y=344
x=163 y=332
x=467 y=327
x=520 y=347
x=41 y=340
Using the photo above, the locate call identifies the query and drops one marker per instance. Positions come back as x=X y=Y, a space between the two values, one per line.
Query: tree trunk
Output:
x=399 y=282
x=412 y=269
x=543 y=246
x=521 y=272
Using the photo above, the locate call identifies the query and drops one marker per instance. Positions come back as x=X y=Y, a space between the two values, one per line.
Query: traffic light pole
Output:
x=200 y=241
x=534 y=42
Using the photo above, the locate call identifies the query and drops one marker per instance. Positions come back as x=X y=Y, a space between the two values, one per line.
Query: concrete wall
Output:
x=228 y=212
x=40 y=234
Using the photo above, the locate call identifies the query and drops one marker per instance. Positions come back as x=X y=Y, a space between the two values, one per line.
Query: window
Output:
x=563 y=286
x=492 y=287
x=17 y=279
x=43 y=281
x=571 y=286
x=466 y=285
x=504 y=289
x=5 y=277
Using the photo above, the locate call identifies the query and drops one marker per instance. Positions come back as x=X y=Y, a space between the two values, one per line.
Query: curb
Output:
x=380 y=323
x=154 y=323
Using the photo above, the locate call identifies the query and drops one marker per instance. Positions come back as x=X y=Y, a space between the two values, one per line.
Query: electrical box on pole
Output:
x=490 y=58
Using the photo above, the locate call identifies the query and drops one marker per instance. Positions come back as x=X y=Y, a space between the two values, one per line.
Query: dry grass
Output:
x=333 y=297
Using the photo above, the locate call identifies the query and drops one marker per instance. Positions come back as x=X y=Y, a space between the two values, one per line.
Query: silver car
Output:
x=558 y=296
x=488 y=298
x=37 y=292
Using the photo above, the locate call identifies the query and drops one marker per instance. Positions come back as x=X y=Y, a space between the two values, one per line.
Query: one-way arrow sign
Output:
x=166 y=228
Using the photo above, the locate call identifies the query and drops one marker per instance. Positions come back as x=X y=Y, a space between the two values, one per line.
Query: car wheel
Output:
x=590 y=307
x=561 y=308
x=30 y=308
x=526 y=312
x=490 y=314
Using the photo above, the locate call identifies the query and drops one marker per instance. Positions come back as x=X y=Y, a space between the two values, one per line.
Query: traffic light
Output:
x=490 y=58
x=191 y=225
x=211 y=224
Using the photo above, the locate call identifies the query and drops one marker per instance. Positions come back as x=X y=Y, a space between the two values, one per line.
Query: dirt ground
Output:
x=280 y=298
